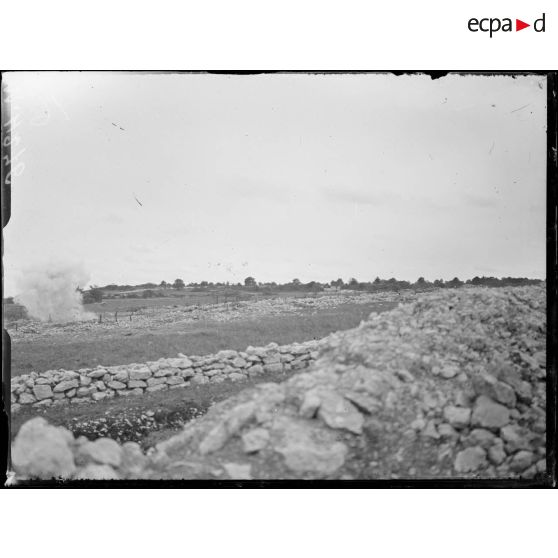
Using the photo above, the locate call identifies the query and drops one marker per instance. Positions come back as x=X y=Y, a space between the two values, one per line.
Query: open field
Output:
x=172 y=298
x=121 y=346
x=67 y=346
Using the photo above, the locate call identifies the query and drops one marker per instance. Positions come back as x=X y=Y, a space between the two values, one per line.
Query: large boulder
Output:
x=42 y=450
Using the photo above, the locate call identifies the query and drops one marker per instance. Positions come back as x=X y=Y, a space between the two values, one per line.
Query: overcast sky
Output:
x=278 y=176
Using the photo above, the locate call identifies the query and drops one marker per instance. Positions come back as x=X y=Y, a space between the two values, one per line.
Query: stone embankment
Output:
x=59 y=387
x=450 y=386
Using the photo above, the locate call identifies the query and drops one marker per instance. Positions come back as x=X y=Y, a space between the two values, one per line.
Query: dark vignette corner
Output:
x=551 y=270
x=5 y=167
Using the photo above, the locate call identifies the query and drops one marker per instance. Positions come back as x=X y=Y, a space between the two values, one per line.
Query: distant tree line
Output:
x=151 y=290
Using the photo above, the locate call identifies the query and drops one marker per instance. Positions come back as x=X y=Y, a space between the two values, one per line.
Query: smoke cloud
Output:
x=49 y=292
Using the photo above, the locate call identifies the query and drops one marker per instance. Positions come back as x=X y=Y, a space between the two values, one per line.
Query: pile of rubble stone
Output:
x=450 y=386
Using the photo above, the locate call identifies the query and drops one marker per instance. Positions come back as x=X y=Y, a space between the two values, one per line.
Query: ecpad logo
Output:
x=493 y=25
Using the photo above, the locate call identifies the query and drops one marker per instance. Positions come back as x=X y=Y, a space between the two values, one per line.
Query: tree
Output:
x=337 y=283
x=178 y=284
x=314 y=286
x=163 y=284
x=455 y=282
x=296 y=282
x=353 y=282
x=249 y=282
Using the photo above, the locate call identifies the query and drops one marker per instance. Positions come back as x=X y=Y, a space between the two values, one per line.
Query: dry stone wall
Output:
x=59 y=387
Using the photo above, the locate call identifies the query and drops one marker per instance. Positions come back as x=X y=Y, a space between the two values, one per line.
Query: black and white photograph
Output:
x=249 y=278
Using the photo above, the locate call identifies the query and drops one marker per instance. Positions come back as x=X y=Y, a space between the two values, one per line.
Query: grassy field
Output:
x=176 y=298
x=126 y=418
x=187 y=298
x=190 y=339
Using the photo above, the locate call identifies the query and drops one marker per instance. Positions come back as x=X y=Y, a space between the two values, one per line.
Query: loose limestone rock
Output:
x=516 y=437
x=522 y=460
x=363 y=402
x=310 y=404
x=255 y=440
x=133 y=460
x=489 y=414
x=102 y=450
x=470 y=459
x=229 y=426
x=446 y=431
x=481 y=437
x=338 y=412
x=42 y=451
x=449 y=371
x=307 y=448
x=496 y=454
x=458 y=417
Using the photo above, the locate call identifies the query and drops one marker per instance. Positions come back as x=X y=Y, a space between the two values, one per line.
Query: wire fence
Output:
x=119 y=309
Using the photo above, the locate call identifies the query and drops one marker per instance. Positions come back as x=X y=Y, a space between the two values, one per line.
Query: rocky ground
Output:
x=450 y=386
x=176 y=315
x=148 y=419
